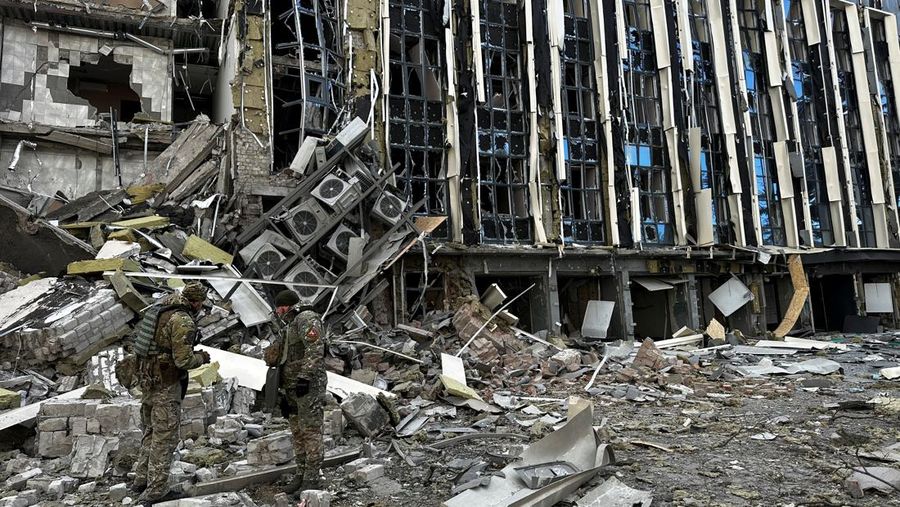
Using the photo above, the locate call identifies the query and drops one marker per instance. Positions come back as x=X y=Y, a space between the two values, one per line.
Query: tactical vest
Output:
x=144 y=336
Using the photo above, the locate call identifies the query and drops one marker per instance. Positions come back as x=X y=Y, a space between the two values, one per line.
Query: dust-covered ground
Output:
x=716 y=438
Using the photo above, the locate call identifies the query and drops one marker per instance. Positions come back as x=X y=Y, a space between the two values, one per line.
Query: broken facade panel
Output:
x=886 y=53
x=751 y=20
x=51 y=76
x=416 y=110
x=501 y=128
x=815 y=129
x=646 y=156
x=581 y=192
x=710 y=154
x=858 y=169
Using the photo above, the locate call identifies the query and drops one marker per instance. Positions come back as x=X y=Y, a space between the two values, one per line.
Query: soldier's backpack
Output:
x=143 y=342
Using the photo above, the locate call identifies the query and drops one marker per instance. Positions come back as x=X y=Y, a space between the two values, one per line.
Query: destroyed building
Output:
x=641 y=153
x=545 y=188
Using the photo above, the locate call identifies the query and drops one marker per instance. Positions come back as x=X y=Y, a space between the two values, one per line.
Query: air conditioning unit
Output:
x=337 y=192
x=267 y=262
x=354 y=168
x=340 y=241
x=389 y=208
x=308 y=271
x=306 y=220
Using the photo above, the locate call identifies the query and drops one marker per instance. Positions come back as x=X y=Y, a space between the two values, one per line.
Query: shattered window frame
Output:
x=813 y=130
x=581 y=193
x=704 y=113
x=771 y=220
x=645 y=147
x=862 y=193
x=416 y=121
x=501 y=128
x=323 y=65
x=888 y=101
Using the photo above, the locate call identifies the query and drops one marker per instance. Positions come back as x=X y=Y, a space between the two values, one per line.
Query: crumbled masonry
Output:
x=566 y=253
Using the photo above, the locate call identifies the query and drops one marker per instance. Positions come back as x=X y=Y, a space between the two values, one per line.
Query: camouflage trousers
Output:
x=161 y=421
x=306 y=416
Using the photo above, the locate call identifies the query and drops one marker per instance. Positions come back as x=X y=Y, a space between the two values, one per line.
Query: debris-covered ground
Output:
x=712 y=422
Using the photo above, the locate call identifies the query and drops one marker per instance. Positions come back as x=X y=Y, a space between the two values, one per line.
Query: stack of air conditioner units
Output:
x=338 y=191
x=308 y=271
x=306 y=220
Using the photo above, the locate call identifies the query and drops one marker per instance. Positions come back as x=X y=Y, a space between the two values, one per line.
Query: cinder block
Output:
x=368 y=473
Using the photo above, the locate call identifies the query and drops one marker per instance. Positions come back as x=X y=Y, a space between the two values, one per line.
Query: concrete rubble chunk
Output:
x=19 y=481
x=365 y=414
x=88 y=487
x=117 y=492
x=368 y=473
x=90 y=455
x=316 y=498
x=274 y=449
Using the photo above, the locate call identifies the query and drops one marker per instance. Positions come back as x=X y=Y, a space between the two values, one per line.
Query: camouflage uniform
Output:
x=163 y=382
x=301 y=355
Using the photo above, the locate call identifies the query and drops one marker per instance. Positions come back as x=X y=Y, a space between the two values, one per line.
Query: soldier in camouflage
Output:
x=300 y=353
x=163 y=383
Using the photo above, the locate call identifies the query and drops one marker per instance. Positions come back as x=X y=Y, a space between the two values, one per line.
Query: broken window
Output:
x=862 y=193
x=704 y=113
x=888 y=100
x=645 y=150
x=806 y=67
x=502 y=152
x=417 y=130
x=751 y=22
x=582 y=198
x=306 y=57
x=105 y=85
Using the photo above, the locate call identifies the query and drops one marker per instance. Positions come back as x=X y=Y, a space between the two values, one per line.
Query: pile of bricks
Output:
x=89 y=322
x=60 y=422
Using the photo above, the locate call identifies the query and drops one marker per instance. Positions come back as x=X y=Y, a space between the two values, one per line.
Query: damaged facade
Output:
x=640 y=152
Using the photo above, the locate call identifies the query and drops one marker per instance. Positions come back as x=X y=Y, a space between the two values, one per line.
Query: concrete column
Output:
x=623 y=279
x=553 y=295
x=693 y=304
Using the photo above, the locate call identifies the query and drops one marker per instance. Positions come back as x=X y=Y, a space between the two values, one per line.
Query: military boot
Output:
x=295 y=485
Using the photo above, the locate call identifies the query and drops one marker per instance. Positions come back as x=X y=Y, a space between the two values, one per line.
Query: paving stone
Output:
x=19 y=481
x=368 y=473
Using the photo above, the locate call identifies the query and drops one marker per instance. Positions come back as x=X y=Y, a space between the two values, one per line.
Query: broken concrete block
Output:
x=228 y=429
x=365 y=413
x=26 y=498
x=568 y=359
x=315 y=498
x=206 y=375
x=88 y=487
x=19 y=481
x=199 y=249
x=61 y=486
x=206 y=475
x=90 y=454
x=273 y=449
x=368 y=473
x=9 y=399
x=117 y=492
x=356 y=464
x=143 y=222
x=53 y=444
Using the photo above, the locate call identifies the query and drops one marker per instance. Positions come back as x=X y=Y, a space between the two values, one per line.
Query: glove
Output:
x=204 y=355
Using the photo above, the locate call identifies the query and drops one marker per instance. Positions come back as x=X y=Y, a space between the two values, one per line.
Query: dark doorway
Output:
x=651 y=313
x=832 y=301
